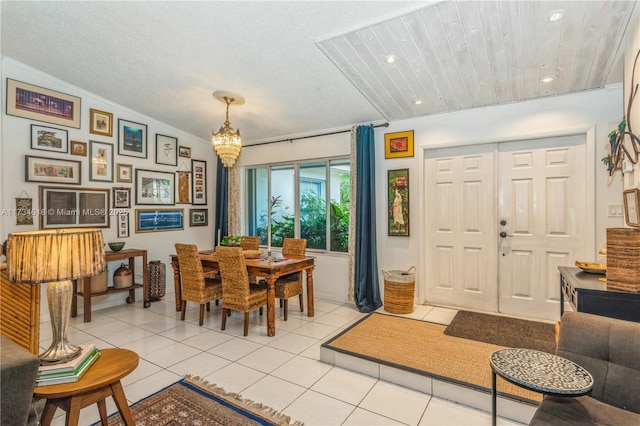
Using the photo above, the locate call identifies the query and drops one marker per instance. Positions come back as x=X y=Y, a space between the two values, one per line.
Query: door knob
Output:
x=503 y=222
x=505 y=235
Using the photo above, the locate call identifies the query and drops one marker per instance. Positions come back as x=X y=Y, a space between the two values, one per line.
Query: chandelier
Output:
x=227 y=143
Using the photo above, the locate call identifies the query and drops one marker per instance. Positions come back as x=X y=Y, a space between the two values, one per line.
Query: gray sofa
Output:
x=610 y=350
x=18 y=372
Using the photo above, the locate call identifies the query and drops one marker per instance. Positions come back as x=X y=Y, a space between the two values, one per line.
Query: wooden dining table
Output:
x=267 y=268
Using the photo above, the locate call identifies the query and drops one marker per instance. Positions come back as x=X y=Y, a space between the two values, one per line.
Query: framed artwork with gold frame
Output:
x=398 y=145
x=398 y=202
x=631 y=199
x=101 y=122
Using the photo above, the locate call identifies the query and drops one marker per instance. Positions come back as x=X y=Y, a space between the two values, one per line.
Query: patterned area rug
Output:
x=503 y=331
x=422 y=348
x=192 y=401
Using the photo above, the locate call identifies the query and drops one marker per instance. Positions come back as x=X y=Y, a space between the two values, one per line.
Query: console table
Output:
x=586 y=293
x=110 y=256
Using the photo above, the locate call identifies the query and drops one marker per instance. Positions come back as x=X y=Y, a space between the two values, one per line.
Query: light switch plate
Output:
x=615 y=210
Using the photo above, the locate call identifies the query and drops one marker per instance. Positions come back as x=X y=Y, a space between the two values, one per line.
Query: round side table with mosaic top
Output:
x=539 y=372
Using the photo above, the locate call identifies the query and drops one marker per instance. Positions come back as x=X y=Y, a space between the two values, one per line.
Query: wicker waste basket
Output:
x=399 y=287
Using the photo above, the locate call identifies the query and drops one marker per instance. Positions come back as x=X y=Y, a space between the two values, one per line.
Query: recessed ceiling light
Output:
x=548 y=78
x=391 y=59
x=555 y=15
x=417 y=102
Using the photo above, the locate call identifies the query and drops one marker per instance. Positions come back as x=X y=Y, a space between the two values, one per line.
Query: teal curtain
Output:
x=366 y=289
x=222 y=202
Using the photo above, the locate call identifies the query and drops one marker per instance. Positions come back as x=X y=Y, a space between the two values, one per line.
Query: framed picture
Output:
x=184 y=187
x=52 y=170
x=184 y=151
x=101 y=154
x=199 y=182
x=124 y=173
x=153 y=220
x=71 y=208
x=198 y=217
x=121 y=198
x=78 y=148
x=101 y=122
x=132 y=139
x=123 y=225
x=155 y=188
x=49 y=139
x=24 y=210
x=37 y=103
x=397 y=145
x=166 y=150
x=632 y=207
x=398 y=202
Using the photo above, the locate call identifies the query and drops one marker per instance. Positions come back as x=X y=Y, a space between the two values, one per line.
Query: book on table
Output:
x=70 y=371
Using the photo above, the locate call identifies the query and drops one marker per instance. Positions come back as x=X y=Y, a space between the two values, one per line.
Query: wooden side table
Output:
x=538 y=371
x=101 y=380
x=110 y=256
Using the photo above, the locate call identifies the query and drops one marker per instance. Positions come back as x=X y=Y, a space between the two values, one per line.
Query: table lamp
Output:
x=56 y=257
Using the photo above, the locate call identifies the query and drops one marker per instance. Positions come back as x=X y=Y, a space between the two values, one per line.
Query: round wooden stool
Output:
x=101 y=380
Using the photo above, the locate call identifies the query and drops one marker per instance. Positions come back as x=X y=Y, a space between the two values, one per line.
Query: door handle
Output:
x=505 y=235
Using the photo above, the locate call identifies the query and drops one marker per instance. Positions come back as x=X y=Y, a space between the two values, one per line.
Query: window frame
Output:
x=296 y=176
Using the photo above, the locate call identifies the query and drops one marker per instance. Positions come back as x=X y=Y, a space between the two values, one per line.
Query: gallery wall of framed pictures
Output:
x=79 y=157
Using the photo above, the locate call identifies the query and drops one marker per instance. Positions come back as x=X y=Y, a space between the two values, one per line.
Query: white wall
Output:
x=560 y=115
x=552 y=116
x=631 y=48
x=16 y=144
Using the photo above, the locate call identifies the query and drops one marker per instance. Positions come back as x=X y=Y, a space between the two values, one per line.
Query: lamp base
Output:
x=59 y=352
x=59 y=297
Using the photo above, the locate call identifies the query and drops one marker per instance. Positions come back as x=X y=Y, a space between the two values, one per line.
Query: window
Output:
x=303 y=200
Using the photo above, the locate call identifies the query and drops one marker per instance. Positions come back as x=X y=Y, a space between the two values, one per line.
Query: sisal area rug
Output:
x=192 y=401
x=422 y=348
x=503 y=331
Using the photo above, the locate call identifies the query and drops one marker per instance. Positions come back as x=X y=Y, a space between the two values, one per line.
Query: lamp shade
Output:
x=55 y=255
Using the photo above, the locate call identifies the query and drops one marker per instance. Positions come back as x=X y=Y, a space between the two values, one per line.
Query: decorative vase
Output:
x=122 y=277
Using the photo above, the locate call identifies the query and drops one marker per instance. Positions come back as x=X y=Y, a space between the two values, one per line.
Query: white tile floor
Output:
x=284 y=372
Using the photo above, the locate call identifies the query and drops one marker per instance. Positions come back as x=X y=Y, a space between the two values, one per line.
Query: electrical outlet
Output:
x=615 y=210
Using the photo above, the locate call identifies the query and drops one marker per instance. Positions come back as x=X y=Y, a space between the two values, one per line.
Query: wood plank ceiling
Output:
x=456 y=55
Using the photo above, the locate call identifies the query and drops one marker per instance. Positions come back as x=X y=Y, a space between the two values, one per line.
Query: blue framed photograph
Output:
x=155 y=220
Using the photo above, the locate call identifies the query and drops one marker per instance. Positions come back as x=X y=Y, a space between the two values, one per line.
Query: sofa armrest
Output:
x=18 y=373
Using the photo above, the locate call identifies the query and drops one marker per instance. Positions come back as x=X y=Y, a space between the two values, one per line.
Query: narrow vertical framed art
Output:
x=199 y=183
x=398 y=202
x=123 y=225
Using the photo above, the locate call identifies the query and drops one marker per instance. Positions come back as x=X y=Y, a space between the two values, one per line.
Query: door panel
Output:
x=542 y=187
x=461 y=207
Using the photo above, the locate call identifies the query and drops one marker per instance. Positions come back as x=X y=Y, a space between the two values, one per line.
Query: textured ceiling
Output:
x=304 y=66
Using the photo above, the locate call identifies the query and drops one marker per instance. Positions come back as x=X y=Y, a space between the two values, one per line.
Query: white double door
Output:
x=500 y=219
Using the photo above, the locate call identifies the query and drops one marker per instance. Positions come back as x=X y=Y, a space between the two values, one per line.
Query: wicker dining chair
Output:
x=237 y=294
x=291 y=285
x=197 y=285
x=249 y=243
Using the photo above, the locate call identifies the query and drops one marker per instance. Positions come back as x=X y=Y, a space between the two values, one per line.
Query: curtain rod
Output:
x=310 y=136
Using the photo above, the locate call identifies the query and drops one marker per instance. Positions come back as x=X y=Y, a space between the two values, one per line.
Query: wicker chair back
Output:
x=249 y=243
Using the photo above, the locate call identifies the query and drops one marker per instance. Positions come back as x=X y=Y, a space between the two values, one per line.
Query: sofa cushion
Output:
x=18 y=373
x=582 y=410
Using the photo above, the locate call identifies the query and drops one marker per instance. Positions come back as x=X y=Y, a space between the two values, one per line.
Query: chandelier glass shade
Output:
x=227 y=142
